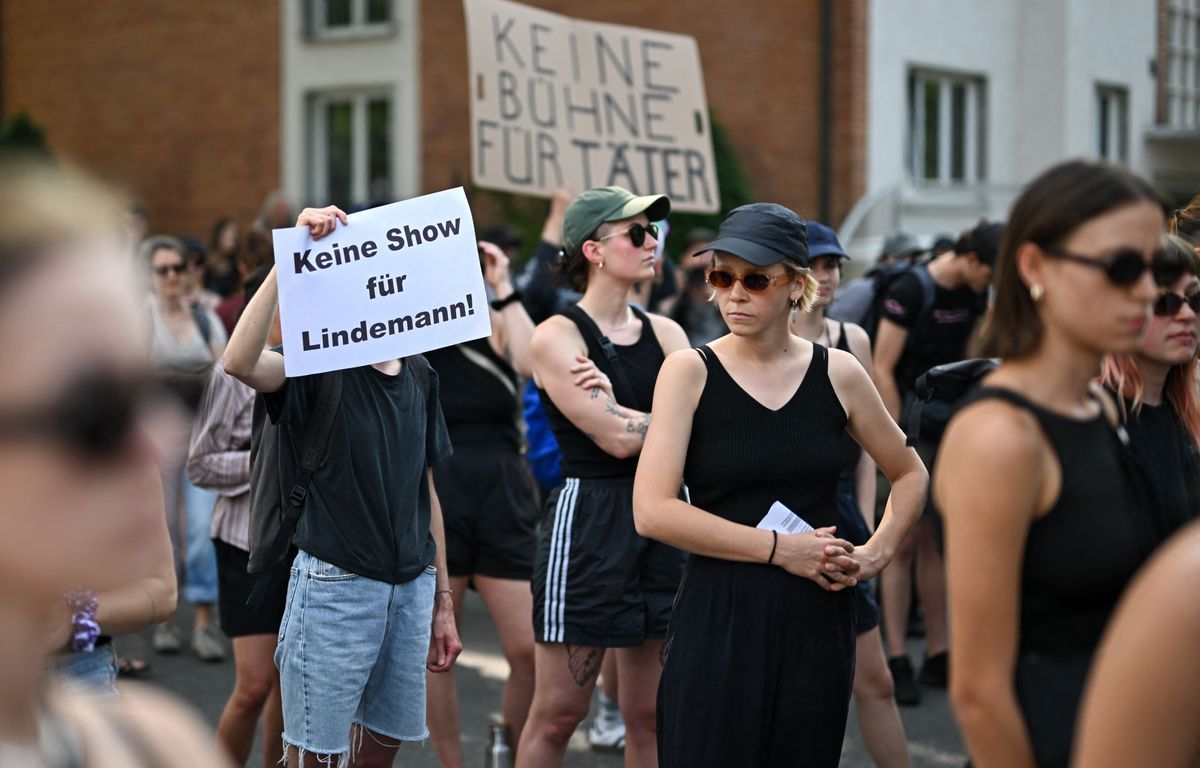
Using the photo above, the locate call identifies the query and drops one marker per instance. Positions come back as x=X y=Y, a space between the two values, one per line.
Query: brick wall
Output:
x=761 y=69
x=177 y=100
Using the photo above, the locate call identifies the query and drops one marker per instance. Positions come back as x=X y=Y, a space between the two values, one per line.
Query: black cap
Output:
x=762 y=234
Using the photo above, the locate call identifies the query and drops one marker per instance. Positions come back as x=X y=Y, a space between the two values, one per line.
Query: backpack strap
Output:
x=420 y=369
x=202 y=322
x=928 y=290
x=588 y=326
x=316 y=435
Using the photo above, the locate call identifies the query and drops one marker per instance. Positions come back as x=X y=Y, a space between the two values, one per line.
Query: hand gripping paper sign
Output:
x=558 y=102
x=395 y=281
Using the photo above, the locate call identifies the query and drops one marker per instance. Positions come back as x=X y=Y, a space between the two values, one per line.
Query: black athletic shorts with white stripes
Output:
x=596 y=581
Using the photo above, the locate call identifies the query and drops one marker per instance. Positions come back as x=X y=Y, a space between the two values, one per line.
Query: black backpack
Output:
x=941 y=391
x=861 y=302
x=275 y=510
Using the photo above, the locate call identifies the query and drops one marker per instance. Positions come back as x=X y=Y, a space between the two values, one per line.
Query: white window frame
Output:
x=974 y=156
x=358 y=27
x=360 y=99
x=1115 y=124
x=1182 y=76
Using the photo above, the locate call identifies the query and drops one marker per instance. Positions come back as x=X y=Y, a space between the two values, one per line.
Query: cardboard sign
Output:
x=395 y=281
x=561 y=102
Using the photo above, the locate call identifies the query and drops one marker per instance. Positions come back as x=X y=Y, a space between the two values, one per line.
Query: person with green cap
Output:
x=760 y=653
x=597 y=584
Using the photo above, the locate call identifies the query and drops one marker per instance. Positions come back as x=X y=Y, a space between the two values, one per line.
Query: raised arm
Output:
x=658 y=513
x=988 y=487
x=557 y=349
x=245 y=357
x=512 y=328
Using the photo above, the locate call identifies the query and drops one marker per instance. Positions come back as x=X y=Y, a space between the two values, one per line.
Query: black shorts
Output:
x=853 y=529
x=234 y=585
x=490 y=509
x=596 y=581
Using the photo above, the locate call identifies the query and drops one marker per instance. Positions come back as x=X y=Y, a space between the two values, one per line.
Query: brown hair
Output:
x=1050 y=209
x=1121 y=373
x=1185 y=222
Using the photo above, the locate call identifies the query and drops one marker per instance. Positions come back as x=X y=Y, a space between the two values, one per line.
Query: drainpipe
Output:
x=825 y=114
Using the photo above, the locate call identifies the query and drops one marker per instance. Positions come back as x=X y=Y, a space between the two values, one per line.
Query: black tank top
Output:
x=479 y=392
x=1082 y=554
x=743 y=457
x=851 y=451
x=640 y=361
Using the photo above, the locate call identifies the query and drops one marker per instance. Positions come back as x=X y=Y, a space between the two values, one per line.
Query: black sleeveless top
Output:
x=1082 y=554
x=639 y=362
x=851 y=451
x=479 y=392
x=743 y=457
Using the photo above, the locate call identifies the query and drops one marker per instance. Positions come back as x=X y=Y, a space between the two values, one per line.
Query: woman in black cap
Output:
x=760 y=655
x=596 y=583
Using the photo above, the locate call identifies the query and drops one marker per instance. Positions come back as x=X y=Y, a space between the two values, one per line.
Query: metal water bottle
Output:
x=499 y=753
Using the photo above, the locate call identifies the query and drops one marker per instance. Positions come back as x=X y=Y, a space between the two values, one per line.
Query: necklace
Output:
x=629 y=318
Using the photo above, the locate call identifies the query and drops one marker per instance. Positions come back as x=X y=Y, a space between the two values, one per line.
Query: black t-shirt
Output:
x=1164 y=452
x=368 y=508
x=938 y=337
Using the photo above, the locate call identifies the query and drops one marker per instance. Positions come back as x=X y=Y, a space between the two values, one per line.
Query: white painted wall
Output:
x=384 y=63
x=1042 y=60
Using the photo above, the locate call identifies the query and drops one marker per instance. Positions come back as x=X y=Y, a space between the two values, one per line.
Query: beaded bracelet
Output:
x=85 y=630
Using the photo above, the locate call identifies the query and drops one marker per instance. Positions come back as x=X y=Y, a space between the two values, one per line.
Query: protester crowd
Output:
x=990 y=441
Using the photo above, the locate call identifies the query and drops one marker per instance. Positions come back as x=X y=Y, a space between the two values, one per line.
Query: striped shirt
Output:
x=219 y=457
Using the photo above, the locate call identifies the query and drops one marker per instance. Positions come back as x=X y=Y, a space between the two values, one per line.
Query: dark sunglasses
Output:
x=1125 y=266
x=1169 y=303
x=754 y=282
x=178 y=269
x=94 y=417
x=637 y=234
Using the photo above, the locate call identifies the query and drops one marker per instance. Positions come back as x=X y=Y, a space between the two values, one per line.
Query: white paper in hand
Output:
x=783 y=520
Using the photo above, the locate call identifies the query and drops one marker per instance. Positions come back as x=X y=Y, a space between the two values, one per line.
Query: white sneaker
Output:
x=166 y=639
x=607 y=732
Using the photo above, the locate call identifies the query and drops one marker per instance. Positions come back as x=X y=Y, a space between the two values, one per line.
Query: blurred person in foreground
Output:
x=878 y=717
x=1143 y=697
x=1159 y=397
x=81 y=504
x=1045 y=521
x=219 y=462
x=185 y=339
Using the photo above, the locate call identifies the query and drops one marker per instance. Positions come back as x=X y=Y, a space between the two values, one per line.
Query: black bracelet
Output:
x=499 y=304
x=774 y=543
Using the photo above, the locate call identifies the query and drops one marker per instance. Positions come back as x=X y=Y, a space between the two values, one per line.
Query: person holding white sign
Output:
x=370 y=577
x=597 y=583
x=760 y=655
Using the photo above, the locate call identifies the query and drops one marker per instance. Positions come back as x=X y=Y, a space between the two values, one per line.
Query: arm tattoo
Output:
x=611 y=406
x=595 y=393
x=638 y=426
x=583 y=662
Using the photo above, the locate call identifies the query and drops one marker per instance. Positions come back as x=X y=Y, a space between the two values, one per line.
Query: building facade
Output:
x=202 y=109
x=968 y=103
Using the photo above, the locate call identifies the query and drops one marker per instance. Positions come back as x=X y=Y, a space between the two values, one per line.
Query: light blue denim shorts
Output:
x=352 y=651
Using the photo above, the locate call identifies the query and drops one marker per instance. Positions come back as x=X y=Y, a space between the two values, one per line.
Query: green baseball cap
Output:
x=596 y=206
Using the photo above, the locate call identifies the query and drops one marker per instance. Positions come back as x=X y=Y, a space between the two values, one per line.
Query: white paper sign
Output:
x=396 y=280
x=783 y=520
x=557 y=101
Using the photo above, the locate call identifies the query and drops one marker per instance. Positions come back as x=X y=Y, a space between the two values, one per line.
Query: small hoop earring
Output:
x=1036 y=292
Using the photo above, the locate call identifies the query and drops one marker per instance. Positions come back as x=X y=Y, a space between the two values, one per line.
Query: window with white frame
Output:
x=1112 y=123
x=946 y=119
x=1182 y=87
x=351 y=143
x=349 y=18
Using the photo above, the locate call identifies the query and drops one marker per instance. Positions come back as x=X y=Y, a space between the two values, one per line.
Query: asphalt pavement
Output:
x=933 y=737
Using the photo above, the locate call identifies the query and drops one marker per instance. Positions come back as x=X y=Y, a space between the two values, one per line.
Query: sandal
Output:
x=131 y=667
